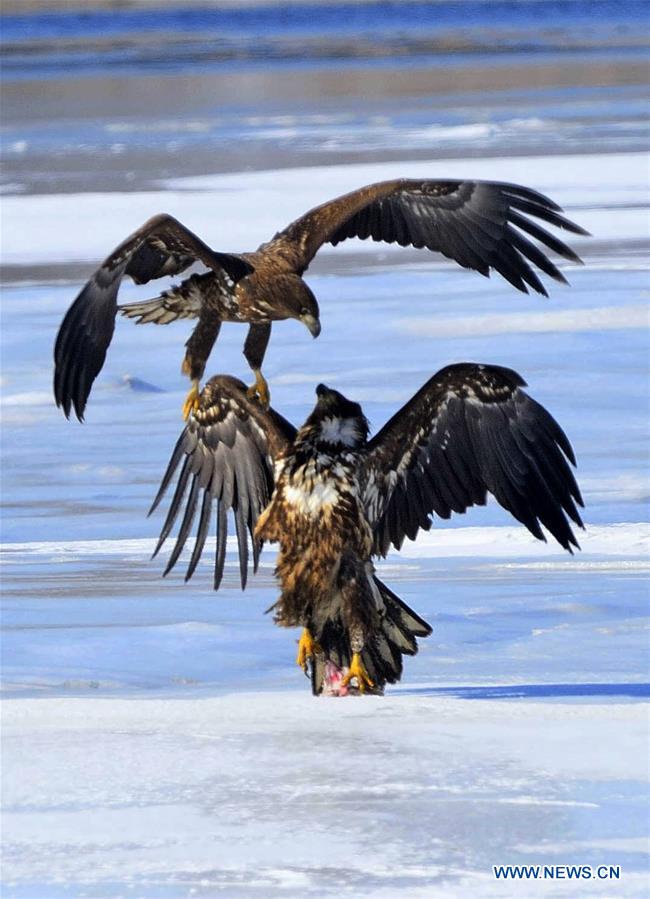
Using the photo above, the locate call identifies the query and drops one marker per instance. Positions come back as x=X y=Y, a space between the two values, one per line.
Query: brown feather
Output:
x=470 y=222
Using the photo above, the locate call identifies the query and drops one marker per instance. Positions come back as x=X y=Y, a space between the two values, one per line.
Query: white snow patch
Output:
x=603 y=318
x=535 y=800
x=576 y=565
x=253 y=205
x=615 y=486
x=640 y=845
x=630 y=538
x=29 y=398
x=607 y=540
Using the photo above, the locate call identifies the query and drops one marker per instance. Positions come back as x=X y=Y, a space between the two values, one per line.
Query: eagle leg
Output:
x=260 y=389
x=307 y=646
x=192 y=400
x=358 y=671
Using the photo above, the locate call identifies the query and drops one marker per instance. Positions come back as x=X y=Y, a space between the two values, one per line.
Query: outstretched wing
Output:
x=470 y=430
x=478 y=224
x=162 y=246
x=226 y=454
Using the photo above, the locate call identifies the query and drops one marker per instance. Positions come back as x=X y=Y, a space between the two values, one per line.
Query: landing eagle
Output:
x=481 y=225
x=334 y=500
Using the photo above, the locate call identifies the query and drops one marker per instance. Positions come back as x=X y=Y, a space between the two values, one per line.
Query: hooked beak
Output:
x=311 y=323
x=326 y=396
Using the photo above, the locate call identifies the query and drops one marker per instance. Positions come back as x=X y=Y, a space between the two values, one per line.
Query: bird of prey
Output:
x=334 y=500
x=482 y=225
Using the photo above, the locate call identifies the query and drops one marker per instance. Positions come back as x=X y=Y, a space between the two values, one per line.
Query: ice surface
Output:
x=239 y=211
x=158 y=740
x=277 y=795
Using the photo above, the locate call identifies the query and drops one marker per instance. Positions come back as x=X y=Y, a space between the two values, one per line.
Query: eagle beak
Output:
x=311 y=323
x=326 y=396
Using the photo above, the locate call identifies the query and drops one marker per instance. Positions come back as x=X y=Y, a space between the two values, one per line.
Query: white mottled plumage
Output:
x=319 y=483
x=340 y=430
x=311 y=498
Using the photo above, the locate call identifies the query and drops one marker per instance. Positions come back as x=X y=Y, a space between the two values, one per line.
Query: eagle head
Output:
x=293 y=299
x=336 y=420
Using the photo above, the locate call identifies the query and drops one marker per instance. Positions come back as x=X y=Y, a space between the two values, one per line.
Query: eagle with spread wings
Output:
x=481 y=225
x=335 y=500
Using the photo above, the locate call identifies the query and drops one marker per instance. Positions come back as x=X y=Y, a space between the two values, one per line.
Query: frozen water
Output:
x=158 y=740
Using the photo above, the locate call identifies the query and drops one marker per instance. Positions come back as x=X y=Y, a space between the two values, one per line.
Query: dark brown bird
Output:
x=482 y=225
x=334 y=500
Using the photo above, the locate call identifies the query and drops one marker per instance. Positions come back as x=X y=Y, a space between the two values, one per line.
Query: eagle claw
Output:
x=192 y=400
x=358 y=671
x=307 y=646
x=259 y=390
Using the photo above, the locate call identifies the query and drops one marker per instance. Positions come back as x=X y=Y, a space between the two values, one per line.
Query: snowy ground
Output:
x=264 y=794
x=158 y=740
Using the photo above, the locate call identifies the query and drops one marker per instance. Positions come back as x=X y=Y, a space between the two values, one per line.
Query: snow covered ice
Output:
x=158 y=740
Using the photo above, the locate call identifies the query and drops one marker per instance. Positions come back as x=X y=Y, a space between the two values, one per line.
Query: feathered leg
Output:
x=255 y=346
x=198 y=348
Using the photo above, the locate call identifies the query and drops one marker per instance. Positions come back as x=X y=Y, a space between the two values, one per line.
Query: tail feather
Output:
x=399 y=636
x=373 y=667
x=387 y=663
x=408 y=621
x=388 y=656
x=394 y=636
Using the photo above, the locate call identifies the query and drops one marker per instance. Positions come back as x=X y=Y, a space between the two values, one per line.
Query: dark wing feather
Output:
x=471 y=430
x=226 y=454
x=162 y=246
x=470 y=222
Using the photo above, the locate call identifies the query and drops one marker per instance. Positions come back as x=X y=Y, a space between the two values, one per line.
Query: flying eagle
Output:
x=482 y=225
x=334 y=500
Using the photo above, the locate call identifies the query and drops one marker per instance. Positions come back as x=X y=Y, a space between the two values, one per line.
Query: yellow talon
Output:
x=259 y=390
x=358 y=671
x=307 y=646
x=192 y=401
